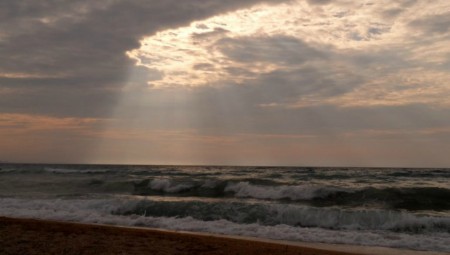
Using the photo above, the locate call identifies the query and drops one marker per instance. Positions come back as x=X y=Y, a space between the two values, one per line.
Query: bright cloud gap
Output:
x=343 y=39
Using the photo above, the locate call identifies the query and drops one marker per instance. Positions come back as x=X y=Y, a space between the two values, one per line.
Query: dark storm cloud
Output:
x=276 y=50
x=81 y=44
x=436 y=24
x=392 y=12
x=265 y=102
x=302 y=70
x=60 y=101
x=319 y=2
x=287 y=87
x=400 y=7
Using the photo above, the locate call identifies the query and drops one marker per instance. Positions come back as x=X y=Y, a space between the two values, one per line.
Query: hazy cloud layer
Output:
x=78 y=49
x=392 y=59
x=276 y=82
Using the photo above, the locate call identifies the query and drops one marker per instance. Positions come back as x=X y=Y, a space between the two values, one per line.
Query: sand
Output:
x=28 y=236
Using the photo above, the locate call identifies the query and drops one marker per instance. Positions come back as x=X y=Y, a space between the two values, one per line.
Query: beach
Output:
x=30 y=236
x=225 y=127
x=26 y=236
x=358 y=210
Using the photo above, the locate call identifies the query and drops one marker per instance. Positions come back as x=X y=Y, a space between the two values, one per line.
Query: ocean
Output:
x=390 y=207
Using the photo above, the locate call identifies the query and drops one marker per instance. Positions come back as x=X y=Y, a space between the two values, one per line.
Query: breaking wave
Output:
x=419 y=198
x=298 y=223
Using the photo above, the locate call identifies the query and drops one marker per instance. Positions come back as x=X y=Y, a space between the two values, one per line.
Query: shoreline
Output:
x=35 y=236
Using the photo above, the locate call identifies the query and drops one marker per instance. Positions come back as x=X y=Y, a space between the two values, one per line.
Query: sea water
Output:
x=391 y=207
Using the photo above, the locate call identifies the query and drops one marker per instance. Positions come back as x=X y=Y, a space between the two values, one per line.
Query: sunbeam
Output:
x=291 y=69
x=325 y=123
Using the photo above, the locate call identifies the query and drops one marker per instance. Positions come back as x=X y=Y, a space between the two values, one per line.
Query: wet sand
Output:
x=28 y=236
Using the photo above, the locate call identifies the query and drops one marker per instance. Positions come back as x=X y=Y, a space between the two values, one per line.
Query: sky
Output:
x=236 y=82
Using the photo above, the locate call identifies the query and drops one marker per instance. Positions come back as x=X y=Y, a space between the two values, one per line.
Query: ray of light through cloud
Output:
x=323 y=66
x=295 y=82
x=380 y=41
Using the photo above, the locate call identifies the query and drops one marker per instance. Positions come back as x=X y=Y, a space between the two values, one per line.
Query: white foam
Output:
x=7 y=170
x=300 y=192
x=100 y=211
x=359 y=219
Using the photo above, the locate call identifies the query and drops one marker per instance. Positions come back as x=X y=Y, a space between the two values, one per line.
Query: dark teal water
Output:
x=407 y=208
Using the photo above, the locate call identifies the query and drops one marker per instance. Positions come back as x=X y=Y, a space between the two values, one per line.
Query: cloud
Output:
x=25 y=123
x=240 y=74
x=319 y=2
x=39 y=138
x=433 y=24
x=277 y=79
x=281 y=50
x=216 y=33
x=392 y=12
x=75 y=44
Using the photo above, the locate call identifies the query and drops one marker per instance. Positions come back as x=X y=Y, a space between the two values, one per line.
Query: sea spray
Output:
x=408 y=208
